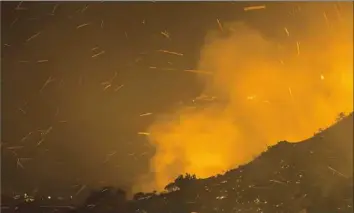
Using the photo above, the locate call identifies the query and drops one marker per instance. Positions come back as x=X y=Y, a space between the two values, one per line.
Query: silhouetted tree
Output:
x=181 y=182
x=340 y=116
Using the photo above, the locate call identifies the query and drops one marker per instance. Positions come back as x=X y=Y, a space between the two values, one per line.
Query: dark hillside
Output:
x=314 y=175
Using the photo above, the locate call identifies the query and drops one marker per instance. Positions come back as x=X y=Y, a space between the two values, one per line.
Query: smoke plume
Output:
x=263 y=89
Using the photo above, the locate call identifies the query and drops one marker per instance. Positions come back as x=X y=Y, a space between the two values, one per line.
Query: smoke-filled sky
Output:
x=134 y=94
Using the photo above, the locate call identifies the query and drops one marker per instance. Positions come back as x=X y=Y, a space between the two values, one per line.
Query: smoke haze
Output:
x=266 y=89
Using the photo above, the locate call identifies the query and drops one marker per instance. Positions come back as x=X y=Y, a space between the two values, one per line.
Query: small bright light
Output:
x=251 y=97
x=49 y=197
x=322 y=77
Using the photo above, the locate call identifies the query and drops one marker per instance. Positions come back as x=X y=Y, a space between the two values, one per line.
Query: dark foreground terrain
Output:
x=315 y=175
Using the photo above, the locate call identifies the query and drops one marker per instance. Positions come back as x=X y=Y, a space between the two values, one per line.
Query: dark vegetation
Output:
x=314 y=176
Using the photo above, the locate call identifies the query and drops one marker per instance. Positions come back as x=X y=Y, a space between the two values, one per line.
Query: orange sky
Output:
x=270 y=91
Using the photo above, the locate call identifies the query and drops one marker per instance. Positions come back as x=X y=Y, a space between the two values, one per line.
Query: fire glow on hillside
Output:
x=274 y=90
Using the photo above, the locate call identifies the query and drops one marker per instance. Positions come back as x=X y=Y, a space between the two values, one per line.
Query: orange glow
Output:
x=271 y=94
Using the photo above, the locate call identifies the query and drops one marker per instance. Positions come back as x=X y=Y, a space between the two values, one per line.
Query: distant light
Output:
x=251 y=97
x=49 y=197
x=322 y=77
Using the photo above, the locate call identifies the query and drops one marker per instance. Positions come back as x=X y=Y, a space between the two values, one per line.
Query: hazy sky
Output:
x=87 y=122
x=76 y=78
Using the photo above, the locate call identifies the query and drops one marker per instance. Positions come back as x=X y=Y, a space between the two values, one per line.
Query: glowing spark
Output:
x=85 y=8
x=98 y=54
x=15 y=147
x=113 y=153
x=33 y=36
x=166 y=34
x=42 y=61
x=173 y=53
x=107 y=86
x=23 y=111
x=286 y=31
x=54 y=9
x=110 y=80
x=335 y=171
x=277 y=181
x=199 y=71
x=266 y=101
x=118 y=88
x=40 y=141
x=80 y=190
x=25 y=159
x=298 y=47
x=26 y=136
x=133 y=155
x=325 y=16
x=82 y=25
x=14 y=21
x=108 y=156
x=18 y=7
x=220 y=197
x=220 y=26
x=251 y=97
x=254 y=8
x=205 y=97
x=145 y=114
x=19 y=164
x=337 y=8
x=143 y=133
x=48 y=81
x=45 y=132
x=291 y=93
x=322 y=77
